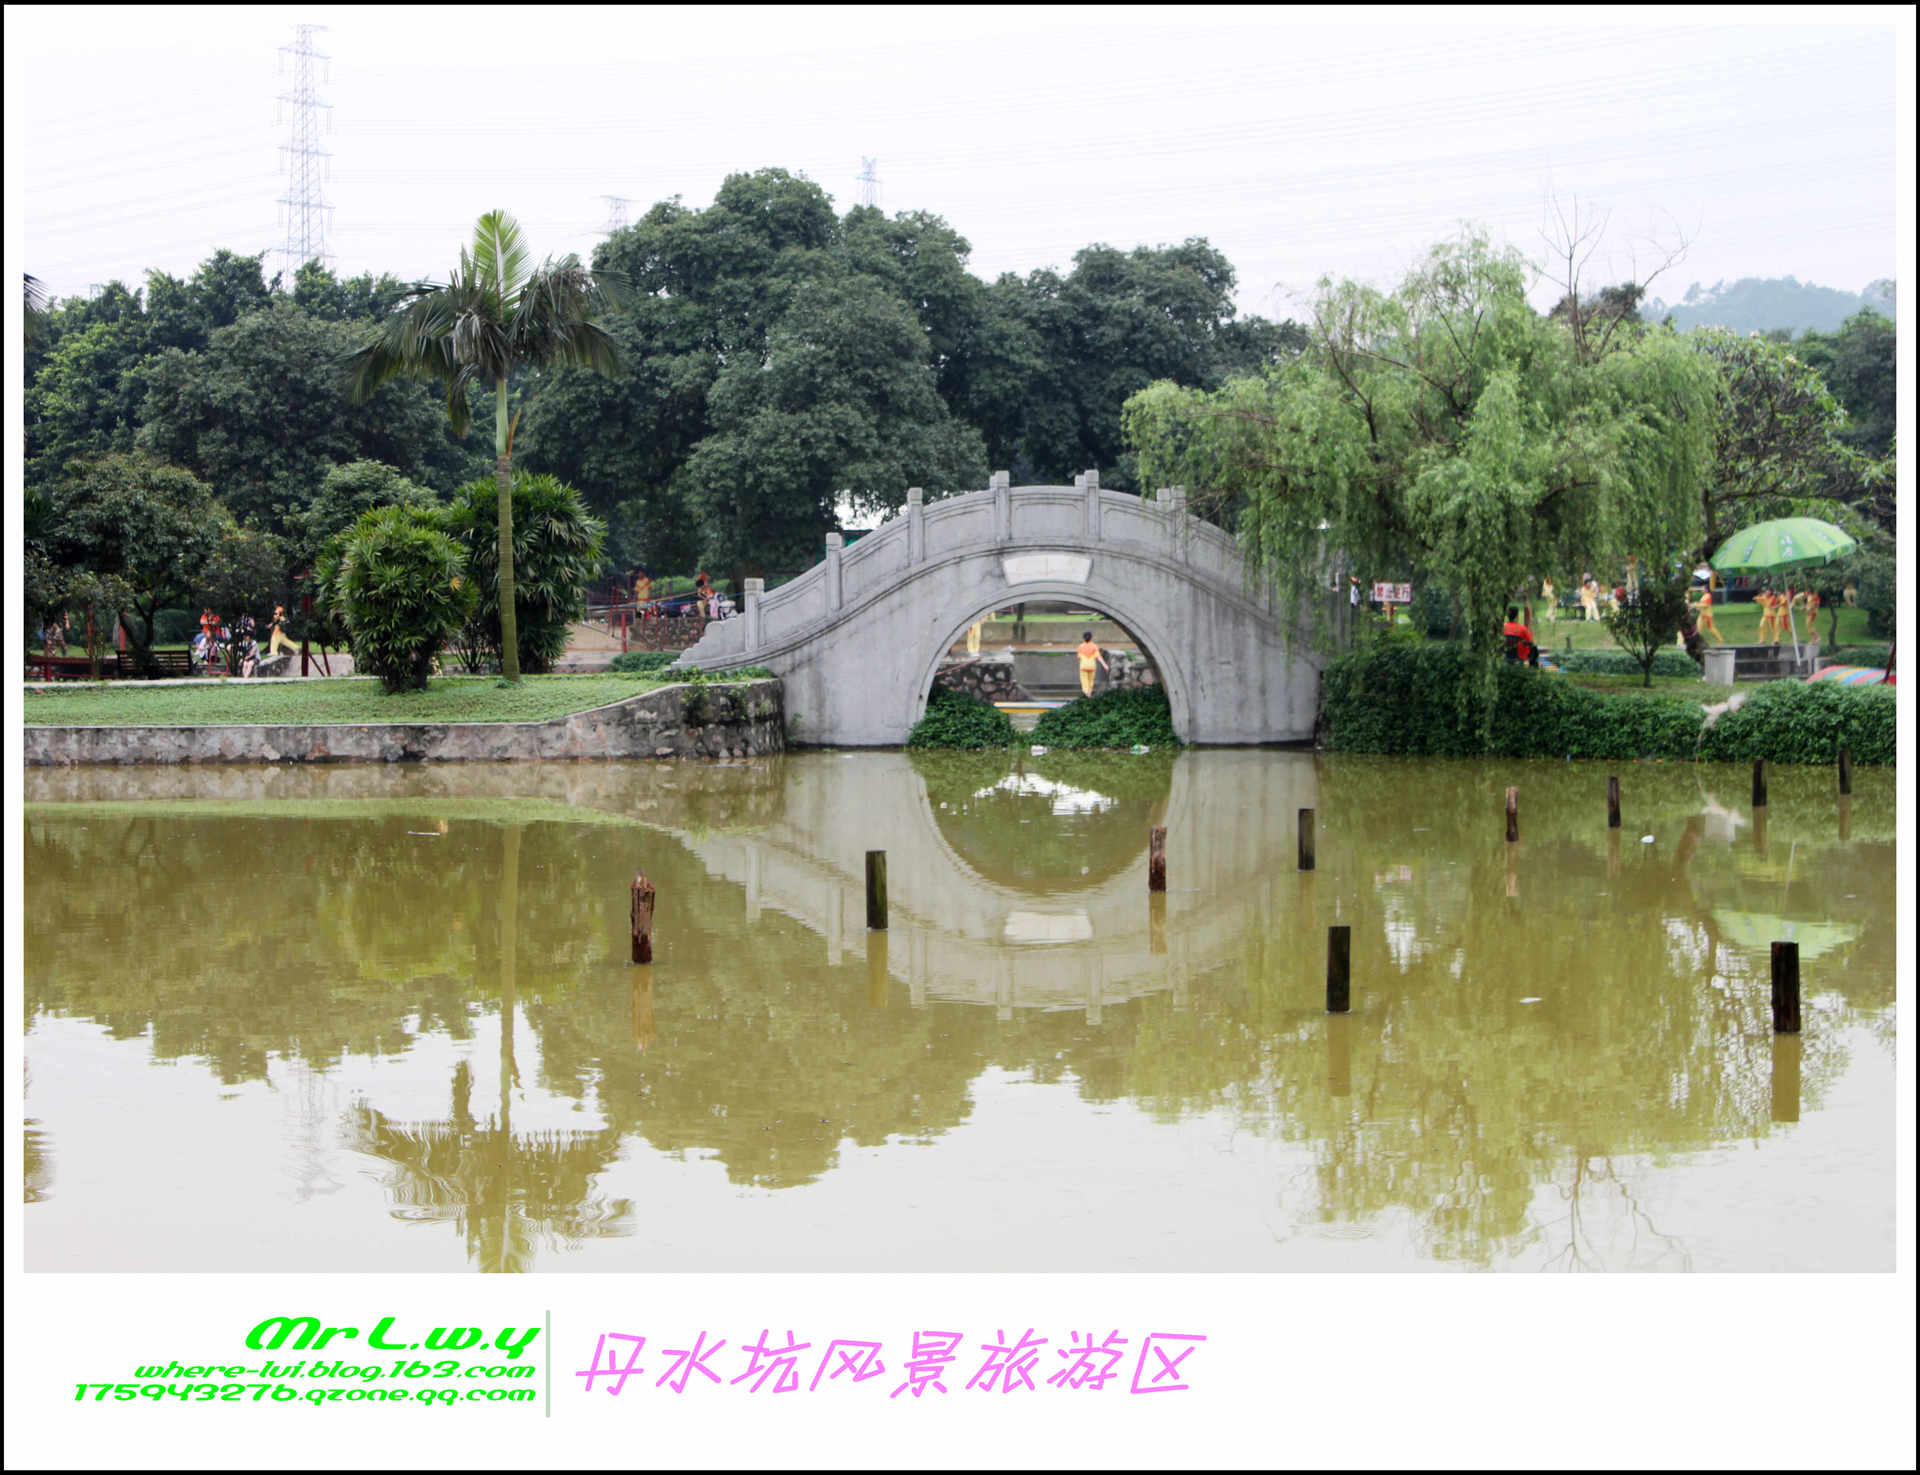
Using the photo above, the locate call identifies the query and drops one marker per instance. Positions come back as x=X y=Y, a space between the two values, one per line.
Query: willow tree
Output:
x=1446 y=423
x=496 y=316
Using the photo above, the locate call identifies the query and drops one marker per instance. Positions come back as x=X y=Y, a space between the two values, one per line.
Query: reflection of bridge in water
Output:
x=954 y=934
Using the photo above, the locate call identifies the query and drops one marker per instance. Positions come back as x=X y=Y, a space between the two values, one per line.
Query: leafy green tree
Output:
x=496 y=315
x=225 y=288
x=85 y=399
x=262 y=414
x=1776 y=438
x=346 y=494
x=1119 y=321
x=319 y=293
x=246 y=574
x=556 y=553
x=844 y=402
x=97 y=599
x=1645 y=626
x=1446 y=423
x=402 y=590
x=151 y=524
x=1857 y=363
x=624 y=441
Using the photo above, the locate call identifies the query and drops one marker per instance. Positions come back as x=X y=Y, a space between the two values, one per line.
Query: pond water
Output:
x=358 y=1019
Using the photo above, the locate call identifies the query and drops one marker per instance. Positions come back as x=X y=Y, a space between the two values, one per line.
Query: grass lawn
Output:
x=1738 y=624
x=324 y=701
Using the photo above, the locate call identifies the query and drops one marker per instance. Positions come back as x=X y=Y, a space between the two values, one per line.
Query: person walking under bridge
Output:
x=1089 y=653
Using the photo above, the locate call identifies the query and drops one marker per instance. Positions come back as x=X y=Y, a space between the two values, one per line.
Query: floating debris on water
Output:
x=1646 y=839
x=1139 y=748
x=1038 y=749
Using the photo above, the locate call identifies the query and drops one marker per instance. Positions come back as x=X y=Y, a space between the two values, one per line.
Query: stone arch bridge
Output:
x=858 y=637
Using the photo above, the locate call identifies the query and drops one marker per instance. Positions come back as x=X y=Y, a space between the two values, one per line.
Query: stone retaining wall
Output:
x=688 y=721
x=984 y=678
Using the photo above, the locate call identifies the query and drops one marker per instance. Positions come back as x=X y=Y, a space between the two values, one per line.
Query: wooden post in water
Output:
x=1613 y=802
x=1759 y=783
x=1846 y=816
x=642 y=917
x=876 y=891
x=642 y=1007
x=1157 y=922
x=1339 y=968
x=1306 y=839
x=1785 y=1084
x=1846 y=770
x=1339 y=1057
x=1157 y=858
x=1513 y=816
x=877 y=970
x=1786 y=988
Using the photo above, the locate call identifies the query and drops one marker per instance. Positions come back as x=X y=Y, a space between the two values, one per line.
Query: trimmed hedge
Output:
x=1119 y=718
x=1806 y=722
x=956 y=720
x=1674 y=662
x=1403 y=700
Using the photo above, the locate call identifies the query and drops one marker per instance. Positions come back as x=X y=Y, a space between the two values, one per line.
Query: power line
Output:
x=305 y=205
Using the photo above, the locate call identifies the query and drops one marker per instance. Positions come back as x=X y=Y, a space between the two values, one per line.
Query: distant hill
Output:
x=1765 y=303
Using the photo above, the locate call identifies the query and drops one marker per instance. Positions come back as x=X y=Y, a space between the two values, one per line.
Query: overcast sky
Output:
x=1298 y=143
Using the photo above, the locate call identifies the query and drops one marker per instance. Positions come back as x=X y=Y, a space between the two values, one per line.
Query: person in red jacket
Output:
x=1519 y=638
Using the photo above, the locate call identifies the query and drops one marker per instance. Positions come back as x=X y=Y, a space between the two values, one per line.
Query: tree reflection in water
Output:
x=1532 y=1025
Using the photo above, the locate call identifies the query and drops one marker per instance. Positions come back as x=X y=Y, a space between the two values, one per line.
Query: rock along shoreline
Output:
x=693 y=720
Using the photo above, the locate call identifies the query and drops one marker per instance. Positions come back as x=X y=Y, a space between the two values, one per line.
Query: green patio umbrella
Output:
x=1779 y=545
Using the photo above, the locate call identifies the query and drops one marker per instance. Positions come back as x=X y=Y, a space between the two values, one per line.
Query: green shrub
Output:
x=1806 y=722
x=1669 y=662
x=556 y=554
x=955 y=720
x=1858 y=655
x=735 y=673
x=634 y=661
x=1875 y=569
x=1402 y=700
x=1121 y=718
x=401 y=584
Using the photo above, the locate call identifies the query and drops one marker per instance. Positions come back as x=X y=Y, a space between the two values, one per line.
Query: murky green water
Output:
x=383 y=1019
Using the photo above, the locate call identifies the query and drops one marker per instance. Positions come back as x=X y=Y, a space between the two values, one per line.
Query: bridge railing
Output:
x=1084 y=515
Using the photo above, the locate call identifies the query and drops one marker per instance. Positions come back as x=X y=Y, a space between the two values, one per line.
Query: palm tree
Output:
x=38 y=316
x=495 y=316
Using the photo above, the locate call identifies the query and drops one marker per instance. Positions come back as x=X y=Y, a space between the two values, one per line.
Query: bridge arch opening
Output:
x=1026 y=657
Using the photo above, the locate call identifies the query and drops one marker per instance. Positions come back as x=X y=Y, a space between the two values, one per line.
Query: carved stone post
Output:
x=834 y=544
x=755 y=588
x=916 y=526
x=1002 y=484
x=1091 y=482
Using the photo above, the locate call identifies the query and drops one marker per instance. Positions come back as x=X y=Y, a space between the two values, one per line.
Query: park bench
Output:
x=165 y=663
x=65 y=668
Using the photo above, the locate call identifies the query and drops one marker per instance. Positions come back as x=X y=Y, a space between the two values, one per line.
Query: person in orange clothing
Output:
x=1089 y=653
x=1519 y=638
x=1703 y=616
x=1810 y=607
x=1765 y=600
